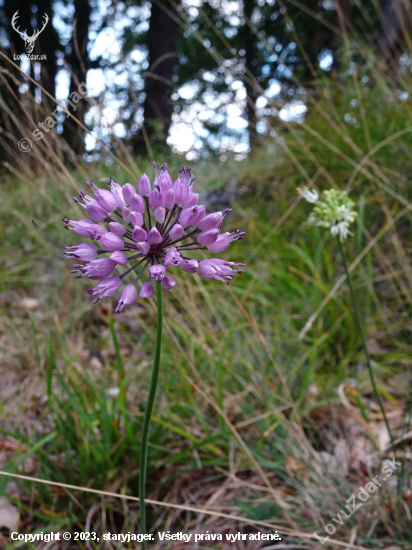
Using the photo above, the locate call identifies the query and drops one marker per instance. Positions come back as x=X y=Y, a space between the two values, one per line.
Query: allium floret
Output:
x=151 y=229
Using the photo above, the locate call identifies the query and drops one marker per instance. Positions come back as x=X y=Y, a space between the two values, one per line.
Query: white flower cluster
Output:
x=335 y=212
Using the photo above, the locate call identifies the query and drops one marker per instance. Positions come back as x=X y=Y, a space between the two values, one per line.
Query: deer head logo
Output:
x=28 y=40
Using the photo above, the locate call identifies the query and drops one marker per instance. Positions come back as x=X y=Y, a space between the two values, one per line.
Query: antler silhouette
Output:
x=17 y=29
x=36 y=33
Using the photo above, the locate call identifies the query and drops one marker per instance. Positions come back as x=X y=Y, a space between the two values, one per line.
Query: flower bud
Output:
x=176 y=232
x=96 y=212
x=160 y=214
x=119 y=257
x=157 y=198
x=139 y=234
x=144 y=186
x=143 y=247
x=85 y=252
x=177 y=188
x=98 y=269
x=200 y=214
x=80 y=227
x=128 y=191
x=117 y=192
x=106 y=200
x=168 y=283
x=170 y=199
x=96 y=231
x=136 y=203
x=136 y=219
x=164 y=180
x=127 y=297
x=212 y=221
x=125 y=214
x=191 y=200
x=111 y=242
x=209 y=237
x=106 y=288
x=190 y=266
x=187 y=215
x=154 y=237
x=117 y=228
x=146 y=291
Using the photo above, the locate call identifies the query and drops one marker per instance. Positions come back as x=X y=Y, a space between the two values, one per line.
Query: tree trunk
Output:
x=49 y=44
x=159 y=85
x=249 y=43
x=79 y=64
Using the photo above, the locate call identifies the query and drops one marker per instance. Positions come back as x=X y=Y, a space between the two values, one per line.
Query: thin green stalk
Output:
x=362 y=333
x=148 y=411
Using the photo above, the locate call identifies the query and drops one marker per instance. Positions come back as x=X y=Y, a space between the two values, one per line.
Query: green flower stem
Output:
x=148 y=411
x=365 y=347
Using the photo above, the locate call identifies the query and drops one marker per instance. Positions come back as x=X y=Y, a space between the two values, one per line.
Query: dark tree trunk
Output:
x=249 y=43
x=49 y=44
x=159 y=85
x=79 y=64
x=9 y=90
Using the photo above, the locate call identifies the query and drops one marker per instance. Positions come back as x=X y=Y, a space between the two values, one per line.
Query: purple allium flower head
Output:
x=129 y=231
x=146 y=291
x=128 y=296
